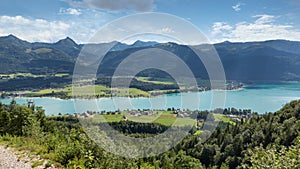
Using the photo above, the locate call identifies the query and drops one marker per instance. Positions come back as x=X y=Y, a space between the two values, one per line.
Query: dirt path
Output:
x=8 y=160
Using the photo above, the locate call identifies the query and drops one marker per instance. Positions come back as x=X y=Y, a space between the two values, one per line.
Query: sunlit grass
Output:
x=146 y=79
x=166 y=118
x=61 y=74
x=91 y=91
x=222 y=117
x=113 y=117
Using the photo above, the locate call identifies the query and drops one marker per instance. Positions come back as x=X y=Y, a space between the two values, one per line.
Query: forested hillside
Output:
x=251 y=61
x=263 y=141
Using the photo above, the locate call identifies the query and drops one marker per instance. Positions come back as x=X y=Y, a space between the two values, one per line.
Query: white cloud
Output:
x=33 y=29
x=81 y=28
x=71 y=11
x=263 y=28
x=166 y=30
x=262 y=19
x=237 y=7
x=114 y=5
x=219 y=27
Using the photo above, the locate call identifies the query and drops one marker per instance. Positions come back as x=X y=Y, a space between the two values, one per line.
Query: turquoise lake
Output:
x=260 y=98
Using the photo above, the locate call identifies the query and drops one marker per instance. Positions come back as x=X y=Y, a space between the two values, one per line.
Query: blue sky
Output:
x=219 y=20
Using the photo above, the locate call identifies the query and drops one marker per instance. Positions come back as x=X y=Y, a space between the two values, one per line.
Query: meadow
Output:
x=165 y=118
x=89 y=91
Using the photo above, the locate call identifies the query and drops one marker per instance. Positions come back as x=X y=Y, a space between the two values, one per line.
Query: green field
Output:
x=62 y=74
x=166 y=118
x=102 y=91
x=222 y=117
x=147 y=79
x=113 y=117
x=90 y=91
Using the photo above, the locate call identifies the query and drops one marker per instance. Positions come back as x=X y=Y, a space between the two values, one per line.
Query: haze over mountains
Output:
x=274 y=60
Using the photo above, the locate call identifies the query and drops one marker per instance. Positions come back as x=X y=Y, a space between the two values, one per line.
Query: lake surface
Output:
x=257 y=97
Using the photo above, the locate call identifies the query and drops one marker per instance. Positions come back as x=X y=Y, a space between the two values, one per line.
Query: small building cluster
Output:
x=140 y=113
x=233 y=86
x=239 y=117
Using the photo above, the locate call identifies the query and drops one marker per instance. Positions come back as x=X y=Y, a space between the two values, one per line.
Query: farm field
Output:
x=166 y=118
x=89 y=91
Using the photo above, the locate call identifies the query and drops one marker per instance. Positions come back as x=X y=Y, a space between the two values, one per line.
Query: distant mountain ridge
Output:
x=250 y=61
x=280 y=44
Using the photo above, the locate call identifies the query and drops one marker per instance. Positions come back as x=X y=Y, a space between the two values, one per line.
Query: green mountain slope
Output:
x=251 y=61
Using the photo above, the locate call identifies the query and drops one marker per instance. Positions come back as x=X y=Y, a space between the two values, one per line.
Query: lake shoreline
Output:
x=92 y=98
x=260 y=98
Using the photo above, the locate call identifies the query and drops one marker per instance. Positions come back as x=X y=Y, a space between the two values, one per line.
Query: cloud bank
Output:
x=263 y=28
x=114 y=5
x=33 y=29
x=80 y=28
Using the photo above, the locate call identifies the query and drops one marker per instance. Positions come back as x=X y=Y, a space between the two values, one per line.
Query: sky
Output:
x=218 y=20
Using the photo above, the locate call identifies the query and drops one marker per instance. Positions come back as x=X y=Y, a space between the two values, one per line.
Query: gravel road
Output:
x=8 y=160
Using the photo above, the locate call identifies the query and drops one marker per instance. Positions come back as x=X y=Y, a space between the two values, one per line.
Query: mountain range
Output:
x=273 y=60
